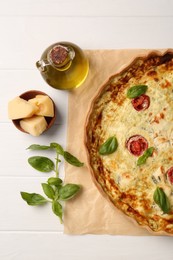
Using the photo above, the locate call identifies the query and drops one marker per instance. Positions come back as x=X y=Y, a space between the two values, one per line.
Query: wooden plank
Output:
x=23 y=45
x=14 y=156
x=46 y=245
x=16 y=215
x=87 y=8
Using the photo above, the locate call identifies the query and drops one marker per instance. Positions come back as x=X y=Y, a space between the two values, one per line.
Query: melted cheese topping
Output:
x=129 y=186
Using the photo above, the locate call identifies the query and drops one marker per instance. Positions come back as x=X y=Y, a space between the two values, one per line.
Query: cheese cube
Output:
x=19 y=108
x=35 y=125
x=45 y=105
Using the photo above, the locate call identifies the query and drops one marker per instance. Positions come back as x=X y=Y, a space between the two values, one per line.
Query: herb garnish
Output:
x=142 y=159
x=54 y=189
x=162 y=200
x=136 y=91
x=109 y=146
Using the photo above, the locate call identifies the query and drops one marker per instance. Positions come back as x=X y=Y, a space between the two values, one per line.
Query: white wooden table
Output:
x=27 y=27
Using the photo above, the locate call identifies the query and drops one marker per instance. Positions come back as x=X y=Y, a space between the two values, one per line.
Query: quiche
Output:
x=129 y=141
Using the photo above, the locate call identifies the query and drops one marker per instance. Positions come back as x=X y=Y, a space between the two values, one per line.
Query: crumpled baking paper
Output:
x=89 y=212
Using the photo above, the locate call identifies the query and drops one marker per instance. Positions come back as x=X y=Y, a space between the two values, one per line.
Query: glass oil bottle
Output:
x=63 y=65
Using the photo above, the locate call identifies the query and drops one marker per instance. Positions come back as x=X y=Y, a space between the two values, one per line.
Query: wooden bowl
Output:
x=31 y=94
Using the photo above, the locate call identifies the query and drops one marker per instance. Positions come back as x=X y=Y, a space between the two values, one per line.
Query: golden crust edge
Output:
x=89 y=111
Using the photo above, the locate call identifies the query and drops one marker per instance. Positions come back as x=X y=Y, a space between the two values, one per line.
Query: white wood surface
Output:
x=27 y=27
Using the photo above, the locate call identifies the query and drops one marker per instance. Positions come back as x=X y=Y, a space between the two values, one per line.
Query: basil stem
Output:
x=109 y=146
x=136 y=91
x=142 y=159
x=162 y=200
x=57 y=165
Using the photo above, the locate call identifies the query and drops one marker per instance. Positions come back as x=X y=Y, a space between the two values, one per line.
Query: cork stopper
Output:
x=58 y=55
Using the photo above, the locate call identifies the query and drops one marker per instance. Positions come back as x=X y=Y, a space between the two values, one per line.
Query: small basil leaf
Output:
x=142 y=159
x=54 y=181
x=41 y=163
x=72 y=159
x=48 y=190
x=109 y=146
x=58 y=148
x=57 y=188
x=136 y=91
x=57 y=209
x=68 y=191
x=33 y=199
x=38 y=147
x=162 y=200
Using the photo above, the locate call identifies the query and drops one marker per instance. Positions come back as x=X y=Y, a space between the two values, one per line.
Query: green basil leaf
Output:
x=48 y=190
x=109 y=146
x=162 y=200
x=57 y=188
x=38 y=147
x=136 y=91
x=68 y=191
x=33 y=199
x=72 y=159
x=142 y=159
x=57 y=209
x=58 y=148
x=54 y=181
x=41 y=163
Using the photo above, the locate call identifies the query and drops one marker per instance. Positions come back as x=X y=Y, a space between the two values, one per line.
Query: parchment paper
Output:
x=89 y=212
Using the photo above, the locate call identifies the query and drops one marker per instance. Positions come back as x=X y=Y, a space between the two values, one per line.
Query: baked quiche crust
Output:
x=142 y=191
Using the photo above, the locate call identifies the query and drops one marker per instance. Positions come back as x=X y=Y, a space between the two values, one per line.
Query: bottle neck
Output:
x=60 y=57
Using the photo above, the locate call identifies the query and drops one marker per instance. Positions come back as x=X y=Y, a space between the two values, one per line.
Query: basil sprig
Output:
x=54 y=189
x=109 y=146
x=59 y=150
x=142 y=159
x=162 y=200
x=136 y=91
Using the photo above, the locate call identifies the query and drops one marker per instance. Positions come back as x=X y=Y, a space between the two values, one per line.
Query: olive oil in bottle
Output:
x=63 y=65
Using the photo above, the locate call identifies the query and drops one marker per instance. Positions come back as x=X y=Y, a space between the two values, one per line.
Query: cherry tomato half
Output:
x=141 y=103
x=136 y=145
x=170 y=175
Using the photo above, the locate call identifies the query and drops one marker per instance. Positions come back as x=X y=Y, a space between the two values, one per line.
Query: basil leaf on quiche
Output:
x=162 y=200
x=136 y=91
x=109 y=146
x=142 y=159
